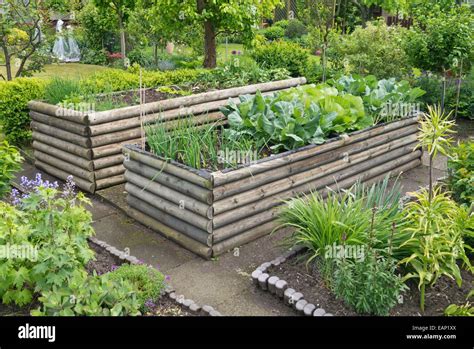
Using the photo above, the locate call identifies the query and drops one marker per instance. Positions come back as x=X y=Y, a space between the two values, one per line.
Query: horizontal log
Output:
x=109 y=181
x=170 y=211
x=136 y=122
x=198 y=177
x=54 y=110
x=289 y=181
x=109 y=172
x=243 y=238
x=66 y=125
x=64 y=166
x=113 y=138
x=318 y=160
x=62 y=155
x=156 y=107
x=224 y=243
x=170 y=181
x=171 y=195
x=188 y=243
x=245 y=224
x=64 y=145
x=170 y=221
x=112 y=149
x=390 y=160
x=61 y=134
x=223 y=177
x=108 y=161
x=84 y=185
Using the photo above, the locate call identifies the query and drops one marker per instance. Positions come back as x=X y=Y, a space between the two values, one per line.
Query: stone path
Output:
x=223 y=283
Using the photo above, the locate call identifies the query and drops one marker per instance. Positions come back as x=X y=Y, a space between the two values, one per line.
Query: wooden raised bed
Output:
x=212 y=212
x=88 y=145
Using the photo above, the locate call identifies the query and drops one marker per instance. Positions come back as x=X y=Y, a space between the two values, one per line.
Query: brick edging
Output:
x=280 y=288
x=180 y=300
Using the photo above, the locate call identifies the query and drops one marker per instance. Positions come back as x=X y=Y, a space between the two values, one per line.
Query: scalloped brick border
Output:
x=180 y=300
x=280 y=288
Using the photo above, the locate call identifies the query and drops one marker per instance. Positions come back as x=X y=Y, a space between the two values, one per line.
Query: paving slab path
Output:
x=223 y=282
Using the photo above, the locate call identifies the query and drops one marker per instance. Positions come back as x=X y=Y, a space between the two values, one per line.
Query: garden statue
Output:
x=65 y=49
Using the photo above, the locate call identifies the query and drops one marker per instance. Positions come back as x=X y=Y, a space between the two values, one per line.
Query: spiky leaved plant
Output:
x=435 y=129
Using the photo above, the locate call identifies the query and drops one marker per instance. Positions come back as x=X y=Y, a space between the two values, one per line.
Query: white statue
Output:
x=65 y=49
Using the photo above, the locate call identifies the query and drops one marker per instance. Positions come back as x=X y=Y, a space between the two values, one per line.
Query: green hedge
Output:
x=14 y=97
x=282 y=54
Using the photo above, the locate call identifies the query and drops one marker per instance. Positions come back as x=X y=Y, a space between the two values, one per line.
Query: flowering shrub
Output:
x=50 y=226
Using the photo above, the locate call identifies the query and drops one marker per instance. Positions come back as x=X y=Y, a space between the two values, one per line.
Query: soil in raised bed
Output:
x=308 y=280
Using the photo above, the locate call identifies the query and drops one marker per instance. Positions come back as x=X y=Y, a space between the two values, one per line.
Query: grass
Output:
x=70 y=70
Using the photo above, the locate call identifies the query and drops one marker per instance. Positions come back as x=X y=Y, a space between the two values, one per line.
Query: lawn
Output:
x=71 y=70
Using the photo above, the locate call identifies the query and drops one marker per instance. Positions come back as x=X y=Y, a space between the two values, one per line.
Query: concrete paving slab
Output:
x=124 y=233
x=262 y=304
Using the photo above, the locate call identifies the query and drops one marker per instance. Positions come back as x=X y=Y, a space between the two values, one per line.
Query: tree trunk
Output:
x=155 y=53
x=8 y=63
x=210 y=49
x=123 y=42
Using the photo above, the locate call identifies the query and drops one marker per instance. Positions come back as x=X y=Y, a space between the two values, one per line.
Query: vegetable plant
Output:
x=386 y=99
x=297 y=117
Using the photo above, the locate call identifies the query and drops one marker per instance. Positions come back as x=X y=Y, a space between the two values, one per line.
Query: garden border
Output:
x=180 y=300
x=282 y=290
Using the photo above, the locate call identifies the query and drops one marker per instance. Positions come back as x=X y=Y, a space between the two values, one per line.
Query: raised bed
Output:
x=88 y=145
x=213 y=212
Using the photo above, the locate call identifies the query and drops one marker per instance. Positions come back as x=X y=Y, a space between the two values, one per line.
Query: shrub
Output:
x=461 y=172
x=90 y=296
x=437 y=227
x=93 y=56
x=376 y=49
x=14 y=97
x=273 y=33
x=147 y=281
x=442 y=40
x=10 y=160
x=282 y=54
x=432 y=84
x=52 y=225
x=295 y=29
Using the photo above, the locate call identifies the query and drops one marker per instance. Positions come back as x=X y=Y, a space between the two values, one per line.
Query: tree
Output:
x=216 y=17
x=20 y=36
x=122 y=9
